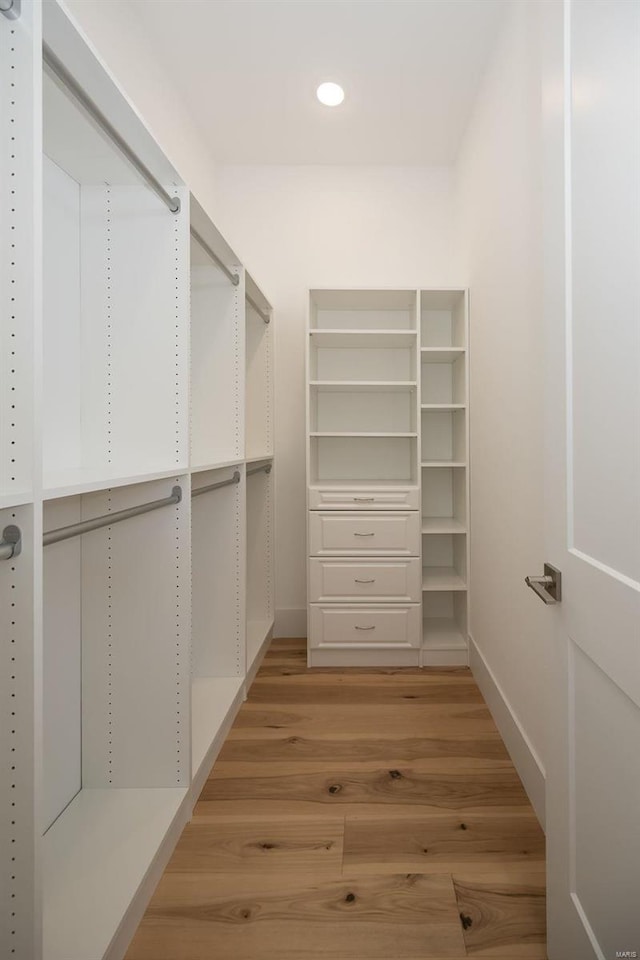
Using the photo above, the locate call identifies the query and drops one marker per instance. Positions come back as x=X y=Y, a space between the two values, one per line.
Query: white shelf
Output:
x=202 y=468
x=211 y=700
x=434 y=525
x=362 y=339
x=361 y=434
x=443 y=463
x=8 y=500
x=257 y=631
x=441 y=578
x=362 y=484
x=363 y=384
x=441 y=354
x=265 y=456
x=95 y=857
x=71 y=483
x=443 y=406
x=442 y=633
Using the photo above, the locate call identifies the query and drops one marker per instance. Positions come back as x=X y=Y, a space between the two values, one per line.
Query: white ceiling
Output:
x=249 y=69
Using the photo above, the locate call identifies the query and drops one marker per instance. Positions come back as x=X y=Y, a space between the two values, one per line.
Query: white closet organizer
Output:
x=387 y=461
x=133 y=533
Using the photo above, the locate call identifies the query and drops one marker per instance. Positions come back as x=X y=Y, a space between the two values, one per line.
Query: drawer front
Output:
x=346 y=625
x=358 y=499
x=365 y=580
x=364 y=534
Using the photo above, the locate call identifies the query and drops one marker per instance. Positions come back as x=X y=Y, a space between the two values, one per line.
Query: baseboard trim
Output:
x=525 y=759
x=290 y=622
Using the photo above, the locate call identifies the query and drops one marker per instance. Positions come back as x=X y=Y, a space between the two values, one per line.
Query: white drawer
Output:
x=364 y=534
x=386 y=580
x=349 y=625
x=358 y=499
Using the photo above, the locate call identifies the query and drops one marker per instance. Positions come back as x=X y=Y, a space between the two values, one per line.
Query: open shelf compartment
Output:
x=443 y=321
x=346 y=310
x=360 y=460
x=443 y=381
x=115 y=296
x=367 y=410
x=444 y=435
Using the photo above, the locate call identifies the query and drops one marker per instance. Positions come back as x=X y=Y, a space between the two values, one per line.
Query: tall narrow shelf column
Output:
x=444 y=421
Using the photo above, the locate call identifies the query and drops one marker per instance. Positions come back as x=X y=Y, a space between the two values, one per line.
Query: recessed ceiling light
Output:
x=330 y=94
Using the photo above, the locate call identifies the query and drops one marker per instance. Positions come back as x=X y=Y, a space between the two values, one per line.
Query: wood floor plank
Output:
x=283 y=690
x=265 y=848
x=502 y=920
x=465 y=789
x=437 y=843
x=364 y=721
x=296 y=748
x=373 y=918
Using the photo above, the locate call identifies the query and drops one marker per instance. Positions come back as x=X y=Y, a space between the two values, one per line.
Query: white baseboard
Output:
x=290 y=622
x=525 y=759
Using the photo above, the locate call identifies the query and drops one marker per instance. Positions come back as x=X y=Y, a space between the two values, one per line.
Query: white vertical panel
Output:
x=259 y=386
x=216 y=384
x=135 y=304
x=136 y=629
x=62 y=664
x=605 y=129
x=217 y=520
x=62 y=408
x=18 y=176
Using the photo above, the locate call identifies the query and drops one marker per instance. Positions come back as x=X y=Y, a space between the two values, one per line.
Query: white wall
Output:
x=306 y=226
x=500 y=236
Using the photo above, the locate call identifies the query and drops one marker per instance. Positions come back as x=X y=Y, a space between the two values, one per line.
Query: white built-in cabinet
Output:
x=136 y=497
x=388 y=477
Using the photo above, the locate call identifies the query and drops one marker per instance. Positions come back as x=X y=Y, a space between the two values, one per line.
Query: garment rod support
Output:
x=58 y=69
x=235 y=279
x=266 y=467
x=216 y=486
x=11 y=543
x=10 y=8
x=263 y=316
x=86 y=526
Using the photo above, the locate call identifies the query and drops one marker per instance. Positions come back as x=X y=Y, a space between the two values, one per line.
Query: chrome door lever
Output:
x=548 y=587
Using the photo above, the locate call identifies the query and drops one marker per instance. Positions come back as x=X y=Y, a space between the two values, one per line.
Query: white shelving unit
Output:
x=445 y=475
x=127 y=631
x=387 y=430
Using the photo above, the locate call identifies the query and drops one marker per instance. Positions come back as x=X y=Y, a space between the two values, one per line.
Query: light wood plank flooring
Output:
x=355 y=815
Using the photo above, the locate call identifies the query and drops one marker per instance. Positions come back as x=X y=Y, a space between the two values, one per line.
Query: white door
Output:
x=591 y=102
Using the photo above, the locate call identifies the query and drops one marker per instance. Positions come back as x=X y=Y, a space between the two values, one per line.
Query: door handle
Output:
x=364 y=628
x=363 y=499
x=548 y=587
x=364 y=581
x=364 y=534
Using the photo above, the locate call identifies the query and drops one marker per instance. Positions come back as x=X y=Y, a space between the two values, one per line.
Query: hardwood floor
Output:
x=355 y=815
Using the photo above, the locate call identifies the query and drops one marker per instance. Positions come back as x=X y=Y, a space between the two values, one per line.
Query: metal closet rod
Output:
x=10 y=8
x=86 y=526
x=266 y=467
x=60 y=71
x=11 y=543
x=263 y=316
x=235 y=279
x=216 y=486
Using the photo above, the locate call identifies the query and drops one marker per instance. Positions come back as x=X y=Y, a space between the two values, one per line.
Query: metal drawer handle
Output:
x=363 y=499
x=364 y=534
x=364 y=581
x=364 y=628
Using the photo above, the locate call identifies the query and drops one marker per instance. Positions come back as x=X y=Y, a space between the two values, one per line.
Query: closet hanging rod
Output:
x=266 y=467
x=11 y=543
x=235 y=279
x=263 y=316
x=86 y=526
x=216 y=486
x=58 y=69
x=10 y=8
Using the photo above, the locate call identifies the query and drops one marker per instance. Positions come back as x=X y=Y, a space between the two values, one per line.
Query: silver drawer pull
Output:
x=364 y=534
x=364 y=628
x=364 y=581
x=363 y=499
